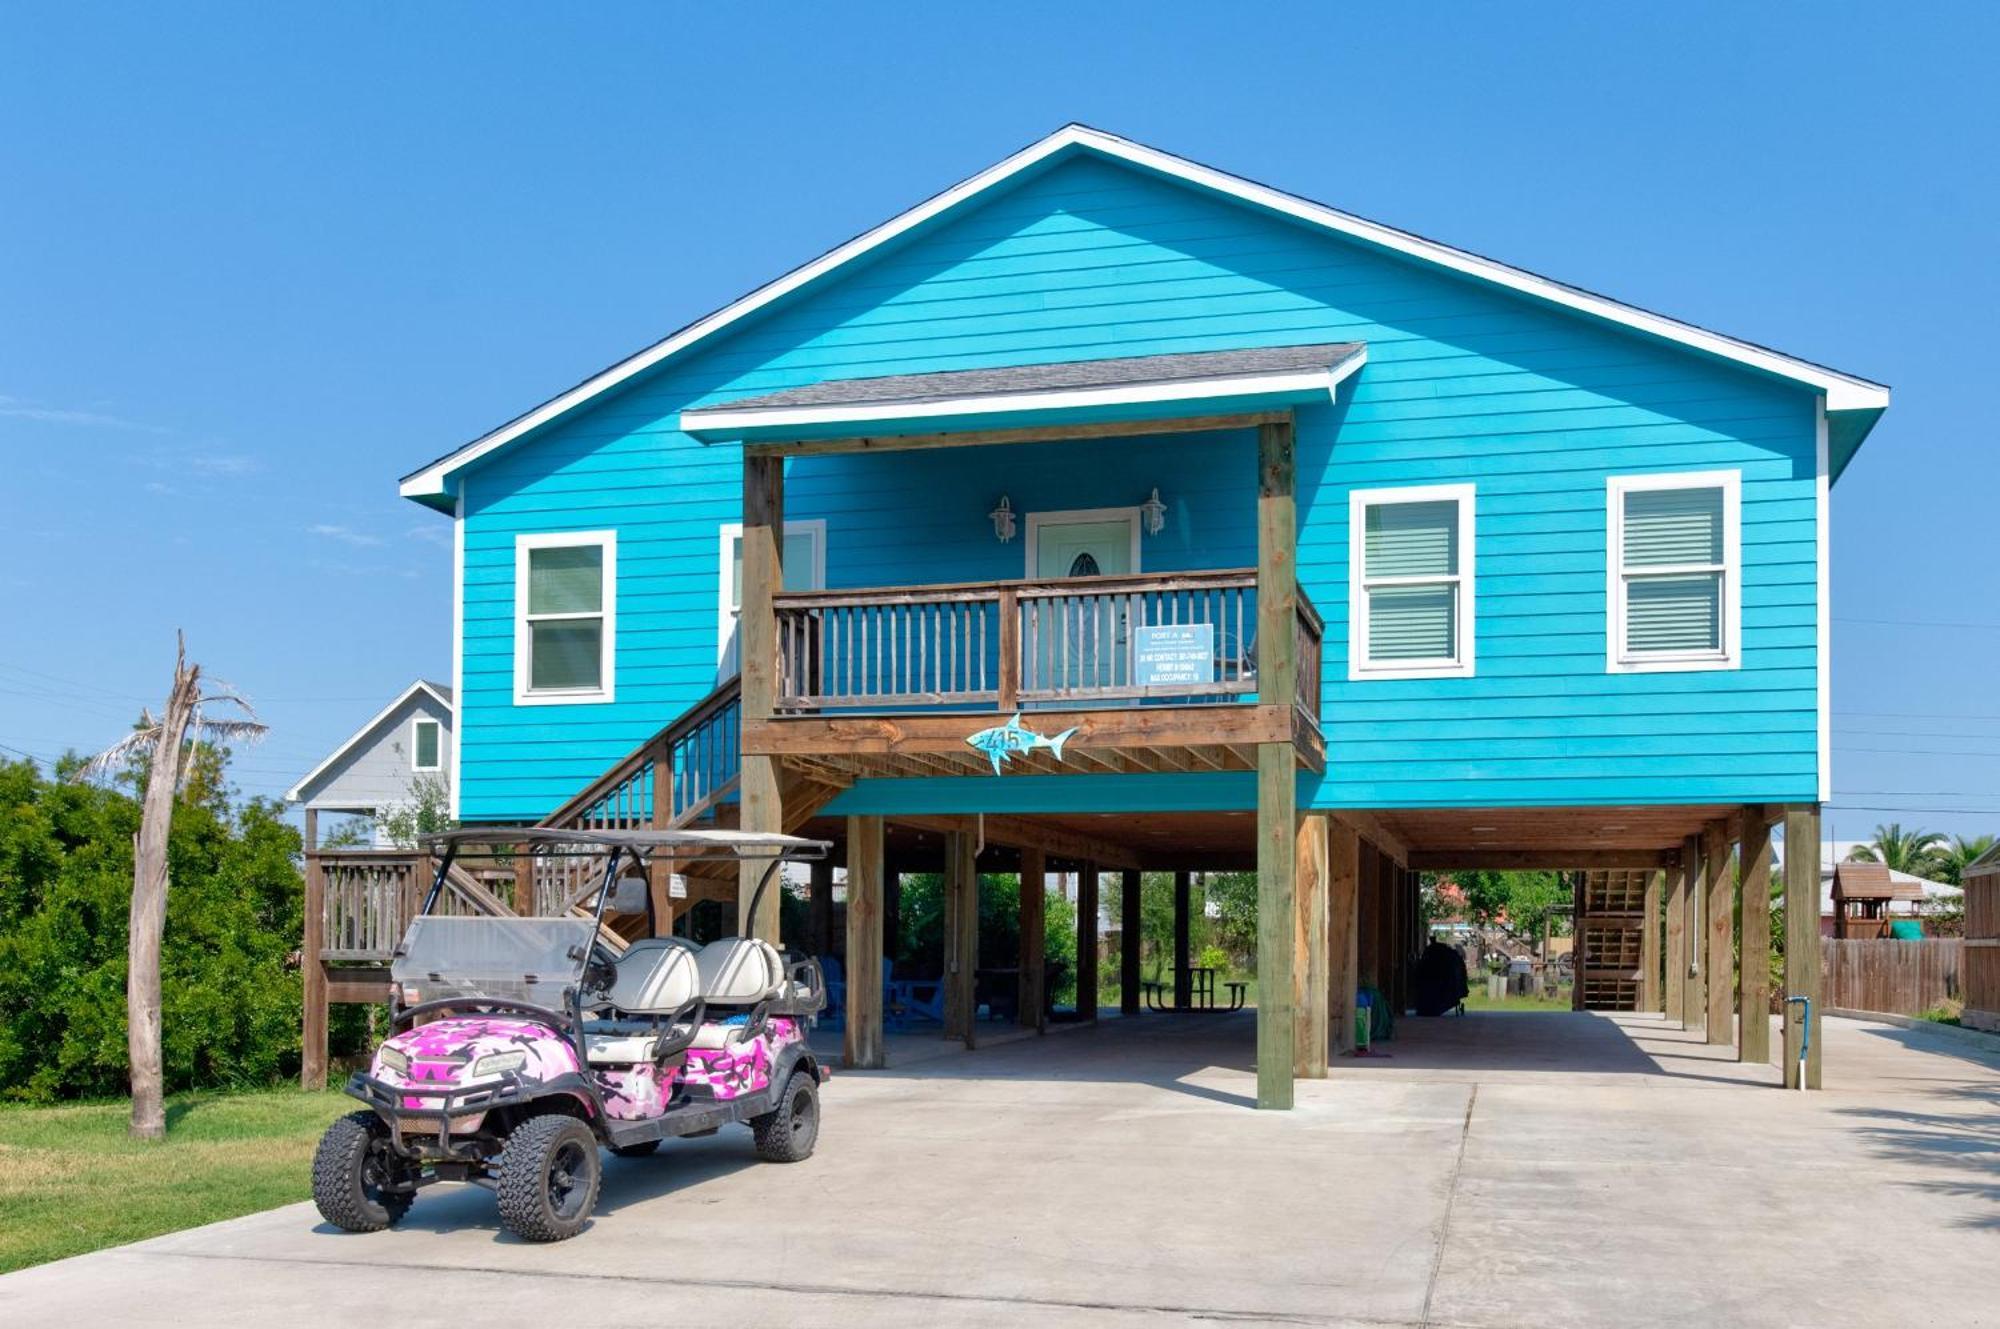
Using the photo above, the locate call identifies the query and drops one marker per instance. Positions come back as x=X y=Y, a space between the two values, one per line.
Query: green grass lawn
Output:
x=1477 y=1000
x=70 y=1180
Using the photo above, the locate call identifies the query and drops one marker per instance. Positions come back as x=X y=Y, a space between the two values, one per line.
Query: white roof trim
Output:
x=723 y=419
x=421 y=685
x=1844 y=392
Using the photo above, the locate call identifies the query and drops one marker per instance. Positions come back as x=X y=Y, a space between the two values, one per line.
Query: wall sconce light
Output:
x=1154 y=513
x=1003 y=520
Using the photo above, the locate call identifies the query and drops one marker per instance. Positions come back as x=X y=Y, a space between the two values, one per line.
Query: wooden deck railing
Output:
x=366 y=898
x=1004 y=644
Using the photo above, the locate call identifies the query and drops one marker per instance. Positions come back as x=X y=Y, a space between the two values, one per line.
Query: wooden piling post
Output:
x=1343 y=864
x=1311 y=971
x=862 y=1042
x=1802 y=949
x=1086 y=942
x=1694 y=1007
x=1720 y=950
x=961 y=939
x=1649 y=945
x=312 y=972
x=1130 y=900
x=1034 y=939
x=1676 y=976
x=1753 y=973
x=1183 y=940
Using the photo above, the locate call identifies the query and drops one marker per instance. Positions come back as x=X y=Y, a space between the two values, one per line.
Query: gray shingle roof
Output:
x=1126 y=371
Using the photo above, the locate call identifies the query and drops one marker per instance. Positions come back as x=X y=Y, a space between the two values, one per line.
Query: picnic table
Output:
x=1202 y=981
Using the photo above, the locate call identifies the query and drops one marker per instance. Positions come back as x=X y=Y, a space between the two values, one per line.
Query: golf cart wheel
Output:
x=549 y=1172
x=354 y=1170
x=639 y=1150
x=787 y=1135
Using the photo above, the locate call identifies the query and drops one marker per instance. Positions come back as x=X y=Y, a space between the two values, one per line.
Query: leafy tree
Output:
x=1951 y=860
x=426 y=812
x=1914 y=851
x=229 y=981
x=1526 y=905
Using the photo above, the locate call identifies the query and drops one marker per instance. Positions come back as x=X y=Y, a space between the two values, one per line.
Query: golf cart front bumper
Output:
x=439 y=1106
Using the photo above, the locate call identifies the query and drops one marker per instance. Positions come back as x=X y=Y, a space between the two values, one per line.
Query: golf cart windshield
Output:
x=516 y=959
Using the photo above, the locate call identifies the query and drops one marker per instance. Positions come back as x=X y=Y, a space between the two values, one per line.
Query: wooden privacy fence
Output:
x=1895 y=977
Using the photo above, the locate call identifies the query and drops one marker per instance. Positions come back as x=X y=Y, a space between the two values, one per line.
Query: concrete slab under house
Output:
x=1296 y=543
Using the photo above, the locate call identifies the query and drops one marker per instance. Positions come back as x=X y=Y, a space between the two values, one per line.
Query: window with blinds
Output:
x=1410 y=604
x=1674 y=542
x=564 y=590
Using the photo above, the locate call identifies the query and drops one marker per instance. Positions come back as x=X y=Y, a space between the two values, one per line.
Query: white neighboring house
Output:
x=373 y=771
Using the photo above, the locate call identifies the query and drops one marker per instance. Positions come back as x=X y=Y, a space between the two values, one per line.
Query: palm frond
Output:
x=115 y=757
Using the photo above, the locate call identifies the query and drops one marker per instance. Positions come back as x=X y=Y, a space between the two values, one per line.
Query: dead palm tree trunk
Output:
x=148 y=921
x=163 y=745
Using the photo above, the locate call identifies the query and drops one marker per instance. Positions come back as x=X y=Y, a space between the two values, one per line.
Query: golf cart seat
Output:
x=655 y=976
x=739 y=971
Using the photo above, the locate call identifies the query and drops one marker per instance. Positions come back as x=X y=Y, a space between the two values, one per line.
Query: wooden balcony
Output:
x=1154 y=671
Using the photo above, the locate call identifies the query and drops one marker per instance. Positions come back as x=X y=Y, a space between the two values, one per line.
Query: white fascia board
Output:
x=1844 y=392
x=723 y=420
x=292 y=795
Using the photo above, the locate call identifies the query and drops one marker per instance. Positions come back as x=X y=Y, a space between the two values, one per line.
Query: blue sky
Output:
x=257 y=261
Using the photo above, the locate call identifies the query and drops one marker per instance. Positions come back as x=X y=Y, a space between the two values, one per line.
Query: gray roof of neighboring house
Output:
x=1063 y=375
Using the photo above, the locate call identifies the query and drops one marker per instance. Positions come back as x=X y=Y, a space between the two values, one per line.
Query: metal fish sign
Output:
x=1003 y=743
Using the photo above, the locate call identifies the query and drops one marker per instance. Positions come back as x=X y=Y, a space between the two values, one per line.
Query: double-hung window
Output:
x=1676 y=561
x=566 y=617
x=1410 y=582
x=805 y=570
x=426 y=745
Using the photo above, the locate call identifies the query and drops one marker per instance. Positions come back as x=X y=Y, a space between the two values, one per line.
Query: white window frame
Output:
x=1359 y=666
x=416 y=747
x=606 y=689
x=725 y=611
x=1618 y=659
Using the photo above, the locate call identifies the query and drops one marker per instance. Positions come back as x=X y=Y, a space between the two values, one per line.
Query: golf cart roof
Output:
x=680 y=845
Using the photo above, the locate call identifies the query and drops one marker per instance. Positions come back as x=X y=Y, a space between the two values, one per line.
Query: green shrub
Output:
x=229 y=976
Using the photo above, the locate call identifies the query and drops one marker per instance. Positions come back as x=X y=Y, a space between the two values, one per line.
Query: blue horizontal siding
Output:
x=1464 y=383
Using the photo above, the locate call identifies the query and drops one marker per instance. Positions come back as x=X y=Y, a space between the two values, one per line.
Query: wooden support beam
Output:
x=1277 y=761
x=1371 y=828
x=1086 y=942
x=1753 y=972
x=1674 y=992
x=1026 y=832
x=1802 y=948
x=961 y=937
x=312 y=970
x=1130 y=890
x=1311 y=970
x=1343 y=873
x=1386 y=963
x=1183 y=938
x=1719 y=868
x=1368 y=905
x=1650 y=986
x=1034 y=939
x=863 y=1047
x=1538 y=860
x=1100 y=733
x=761 y=804
x=1694 y=1008
x=966 y=438
x=819 y=908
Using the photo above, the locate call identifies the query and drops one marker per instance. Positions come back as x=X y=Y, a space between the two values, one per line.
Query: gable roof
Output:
x=440 y=693
x=1844 y=392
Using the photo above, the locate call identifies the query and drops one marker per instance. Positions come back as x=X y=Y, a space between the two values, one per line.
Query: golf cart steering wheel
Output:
x=600 y=971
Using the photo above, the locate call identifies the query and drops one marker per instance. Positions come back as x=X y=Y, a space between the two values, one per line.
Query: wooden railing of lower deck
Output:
x=365 y=898
x=1004 y=644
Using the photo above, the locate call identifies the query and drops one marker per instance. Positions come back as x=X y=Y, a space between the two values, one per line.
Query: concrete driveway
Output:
x=1500 y=1170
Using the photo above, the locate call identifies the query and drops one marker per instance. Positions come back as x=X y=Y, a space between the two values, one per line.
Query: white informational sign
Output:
x=677 y=887
x=1180 y=655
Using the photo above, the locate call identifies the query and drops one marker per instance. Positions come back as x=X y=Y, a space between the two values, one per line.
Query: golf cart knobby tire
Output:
x=338 y=1176
x=639 y=1150
x=532 y=1151
x=787 y=1135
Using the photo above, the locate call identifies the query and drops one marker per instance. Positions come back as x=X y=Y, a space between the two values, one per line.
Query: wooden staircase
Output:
x=685 y=776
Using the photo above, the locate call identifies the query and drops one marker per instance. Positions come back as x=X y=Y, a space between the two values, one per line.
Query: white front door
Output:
x=1079 y=646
